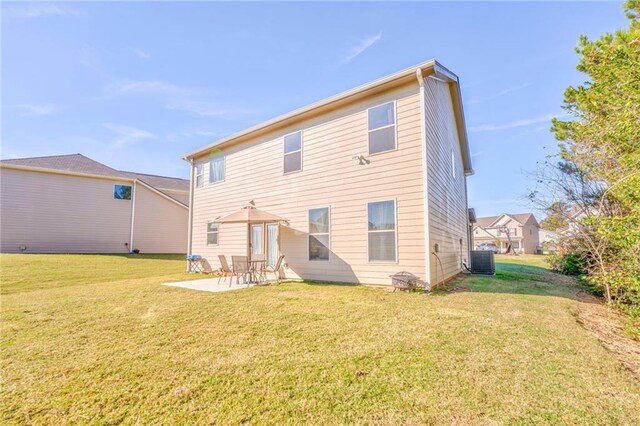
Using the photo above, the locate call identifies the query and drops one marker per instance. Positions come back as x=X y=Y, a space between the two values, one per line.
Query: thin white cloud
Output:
x=174 y=97
x=37 y=10
x=123 y=87
x=206 y=109
x=512 y=125
x=34 y=110
x=500 y=94
x=141 y=54
x=361 y=47
x=127 y=135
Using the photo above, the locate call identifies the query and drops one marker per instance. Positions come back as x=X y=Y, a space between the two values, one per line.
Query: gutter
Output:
x=133 y=215
x=425 y=182
x=431 y=67
x=406 y=73
x=190 y=224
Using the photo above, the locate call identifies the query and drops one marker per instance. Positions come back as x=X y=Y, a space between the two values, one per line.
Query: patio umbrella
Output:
x=250 y=214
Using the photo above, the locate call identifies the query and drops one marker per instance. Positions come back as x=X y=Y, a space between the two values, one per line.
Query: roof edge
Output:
x=89 y=175
x=430 y=67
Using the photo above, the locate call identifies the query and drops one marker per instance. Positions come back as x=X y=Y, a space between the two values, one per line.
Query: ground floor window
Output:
x=319 y=233
x=212 y=234
x=382 y=231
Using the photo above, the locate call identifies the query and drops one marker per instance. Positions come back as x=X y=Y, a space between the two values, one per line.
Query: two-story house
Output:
x=371 y=182
x=521 y=229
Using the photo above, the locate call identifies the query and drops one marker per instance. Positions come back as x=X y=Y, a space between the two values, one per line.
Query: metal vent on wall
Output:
x=482 y=262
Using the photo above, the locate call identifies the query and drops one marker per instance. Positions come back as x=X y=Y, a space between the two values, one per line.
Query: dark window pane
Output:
x=318 y=247
x=382 y=246
x=212 y=227
x=382 y=140
x=212 y=238
x=382 y=215
x=293 y=142
x=122 y=192
x=293 y=162
x=319 y=221
x=381 y=116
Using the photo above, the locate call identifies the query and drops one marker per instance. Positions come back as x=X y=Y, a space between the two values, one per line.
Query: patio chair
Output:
x=224 y=271
x=275 y=270
x=240 y=269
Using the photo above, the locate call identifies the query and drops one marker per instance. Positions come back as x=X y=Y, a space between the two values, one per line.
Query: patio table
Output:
x=254 y=267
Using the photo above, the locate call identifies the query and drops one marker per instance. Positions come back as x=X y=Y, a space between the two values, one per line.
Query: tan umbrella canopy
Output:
x=250 y=214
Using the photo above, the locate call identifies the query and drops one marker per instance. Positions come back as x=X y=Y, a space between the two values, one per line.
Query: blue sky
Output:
x=136 y=85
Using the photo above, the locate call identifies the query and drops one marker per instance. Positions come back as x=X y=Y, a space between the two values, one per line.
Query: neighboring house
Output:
x=73 y=204
x=371 y=182
x=548 y=240
x=522 y=228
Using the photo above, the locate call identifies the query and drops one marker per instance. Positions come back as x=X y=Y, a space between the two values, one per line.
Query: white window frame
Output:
x=199 y=174
x=328 y=234
x=453 y=164
x=224 y=168
x=395 y=125
x=217 y=231
x=395 y=212
x=284 y=154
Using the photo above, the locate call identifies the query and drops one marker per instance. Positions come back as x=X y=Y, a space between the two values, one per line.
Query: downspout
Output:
x=425 y=182
x=133 y=215
x=190 y=224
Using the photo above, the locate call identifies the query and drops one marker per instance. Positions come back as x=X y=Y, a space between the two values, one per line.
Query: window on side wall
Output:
x=453 y=164
x=199 y=175
x=382 y=231
x=319 y=238
x=382 y=128
x=293 y=152
x=122 y=192
x=216 y=169
x=212 y=234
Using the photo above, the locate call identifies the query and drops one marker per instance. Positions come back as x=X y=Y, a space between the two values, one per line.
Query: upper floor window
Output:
x=453 y=164
x=319 y=234
x=199 y=175
x=293 y=152
x=212 y=234
x=382 y=128
x=122 y=192
x=382 y=231
x=216 y=169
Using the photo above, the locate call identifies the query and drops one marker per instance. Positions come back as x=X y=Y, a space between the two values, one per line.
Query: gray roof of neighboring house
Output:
x=78 y=163
x=522 y=218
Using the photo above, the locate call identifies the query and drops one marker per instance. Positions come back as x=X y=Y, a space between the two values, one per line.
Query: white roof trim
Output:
x=428 y=67
x=89 y=175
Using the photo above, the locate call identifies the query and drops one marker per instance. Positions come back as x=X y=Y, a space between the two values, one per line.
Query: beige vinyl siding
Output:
x=448 y=221
x=531 y=238
x=182 y=196
x=160 y=224
x=329 y=177
x=54 y=213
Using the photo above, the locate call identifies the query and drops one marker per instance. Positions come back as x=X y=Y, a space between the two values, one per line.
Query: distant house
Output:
x=548 y=240
x=368 y=183
x=522 y=229
x=73 y=204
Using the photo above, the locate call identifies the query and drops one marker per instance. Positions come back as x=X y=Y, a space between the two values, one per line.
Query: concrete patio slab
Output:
x=208 y=284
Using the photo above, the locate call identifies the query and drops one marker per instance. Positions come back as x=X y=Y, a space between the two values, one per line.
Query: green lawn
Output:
x=96 y=339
